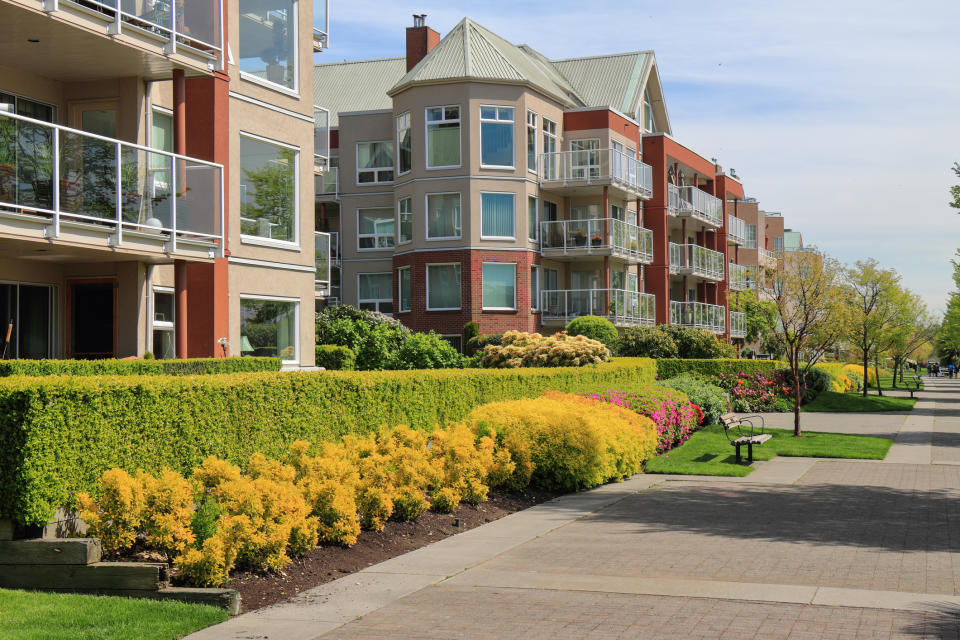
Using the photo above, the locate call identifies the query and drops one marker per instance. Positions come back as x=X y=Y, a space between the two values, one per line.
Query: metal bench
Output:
x=746 y=433
x=916 y=384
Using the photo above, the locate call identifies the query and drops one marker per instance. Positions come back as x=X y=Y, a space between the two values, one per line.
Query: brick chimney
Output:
x=421 y=40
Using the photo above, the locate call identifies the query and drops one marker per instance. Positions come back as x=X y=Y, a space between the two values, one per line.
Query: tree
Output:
x=955 y=189
x=761 y=315
x=948 y=339
x=812 y=310
x=913 y=339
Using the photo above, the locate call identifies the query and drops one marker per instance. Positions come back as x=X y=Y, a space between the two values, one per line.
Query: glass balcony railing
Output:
x=69 y=175
x=601 y=236
x=623 y=308
x=689 y=201
x=698 y=315
x=596 y=167
x=736 y=230
x=329 y=182
x=738 y=324
x=321 y=139
x=321 y=25
x=766 y=258
x=694 y=260
x=322 y=244
x=335 y=248
x=742 y=277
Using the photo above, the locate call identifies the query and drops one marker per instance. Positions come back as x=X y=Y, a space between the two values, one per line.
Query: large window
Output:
x=405 y=287
x=534 y=287
x=443 y=287
x=585 y=159
x=374 y=162
x=531 y=141
x=532 y=218
x=497 y=215
x=443 y=137
x=375 y=228
x=268 y=41
x=405 y=213
x=496 y=136
x=550 y=163
x=499 y=285
x=268 y=188
x=31 y=309
x=443 y=215
x=268 y=327
x=404 y=152
x=648 y=122
x=375 y=292
x=163 y=323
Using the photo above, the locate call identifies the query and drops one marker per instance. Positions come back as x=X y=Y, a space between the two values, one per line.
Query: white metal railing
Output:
x=738 y=324
x=603 y=236
x=692 y=259
x=736 y=230
x=322 y=245
x=766 y=258
x=699 y=315
x=689 y=201
x=321 y=138
x=196 y=24
x=621 y=307
x=67 y=174
x=597 y=166
x=742 y=277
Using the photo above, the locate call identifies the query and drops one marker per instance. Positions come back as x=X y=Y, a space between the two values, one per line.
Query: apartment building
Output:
x=156 y=177
x=476 y=180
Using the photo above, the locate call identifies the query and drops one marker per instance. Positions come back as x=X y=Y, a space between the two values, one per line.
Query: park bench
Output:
x=915 y=380
x=745 y=431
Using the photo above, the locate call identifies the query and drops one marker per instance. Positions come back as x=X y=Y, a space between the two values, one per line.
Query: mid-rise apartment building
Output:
x=157 y=166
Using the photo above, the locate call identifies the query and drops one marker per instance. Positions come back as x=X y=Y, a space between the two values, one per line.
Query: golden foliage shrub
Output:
x=167 y=511
x=518 y=349
x=115 y=517
x=328 y=483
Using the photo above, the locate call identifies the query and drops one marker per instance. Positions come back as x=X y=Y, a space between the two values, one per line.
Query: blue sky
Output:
x=842 y=114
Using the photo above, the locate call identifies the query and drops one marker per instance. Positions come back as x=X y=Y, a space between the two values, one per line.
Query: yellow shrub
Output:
x=518 y=349
x=857 y=369
x=167 y=511
x=465 y=464
x=115 y=518
x=328 y=483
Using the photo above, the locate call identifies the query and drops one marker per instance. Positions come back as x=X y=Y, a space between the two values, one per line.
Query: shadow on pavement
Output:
x=943 y=623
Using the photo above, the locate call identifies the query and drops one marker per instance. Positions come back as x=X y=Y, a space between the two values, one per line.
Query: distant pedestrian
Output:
x=936 y=370
x=950 y=370
x=930 y=369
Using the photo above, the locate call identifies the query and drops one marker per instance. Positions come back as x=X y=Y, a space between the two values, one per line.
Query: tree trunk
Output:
x=795 y=365
x=866 y=371
x=897 y=365
x=876 y=370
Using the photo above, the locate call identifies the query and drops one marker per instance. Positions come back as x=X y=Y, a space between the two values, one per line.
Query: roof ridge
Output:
x=606 y=55
x=343 y=62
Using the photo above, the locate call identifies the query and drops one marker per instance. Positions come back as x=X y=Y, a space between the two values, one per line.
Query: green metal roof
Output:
x=356 y=86
x=615 y=81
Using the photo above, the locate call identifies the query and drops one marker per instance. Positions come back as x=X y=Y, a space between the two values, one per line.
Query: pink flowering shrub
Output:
x=753 y=391
x=672 y=412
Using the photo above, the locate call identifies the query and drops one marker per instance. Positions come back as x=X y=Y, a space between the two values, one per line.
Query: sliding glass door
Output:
x=28 y=317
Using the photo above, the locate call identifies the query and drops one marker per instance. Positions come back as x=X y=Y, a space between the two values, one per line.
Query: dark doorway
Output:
x=93 y=317
x=27 y=314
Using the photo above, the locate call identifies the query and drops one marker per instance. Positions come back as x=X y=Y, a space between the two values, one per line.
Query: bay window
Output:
x=443 y=287
x=532 y=218
x=405 y=288
x=499 y=285
x=405 y=213
x=531 y=141
x=497 y=215
x=496 y=136
x=443 y=137
x=374 y=162
x=404 y=152
x=443 y=216
x=534 y=287
x=375 y=229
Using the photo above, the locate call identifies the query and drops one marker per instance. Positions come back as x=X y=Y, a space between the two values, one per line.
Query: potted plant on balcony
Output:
x=580 y=238
x=596 y=240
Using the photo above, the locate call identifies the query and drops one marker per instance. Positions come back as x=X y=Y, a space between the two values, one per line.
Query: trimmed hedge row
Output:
x=672 y=367
x=132 y=367
x=59 y=434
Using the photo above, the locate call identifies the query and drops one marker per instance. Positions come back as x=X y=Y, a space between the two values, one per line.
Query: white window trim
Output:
x=296 y=320
x=513 y=124
x=375 y=170
x=396 y=121
x=547 y=135
x=536 y=218
x=426 y=216
x=426 y=136
x=427 y=280
x=400 y=308
x=536 y=146
x=162 y=324
x=535 y=299
x=374 y=248
x=290 y=245
x=514 y=236
x=376 y=300
x=486 y=308
x=291 y=91
x=398 y=241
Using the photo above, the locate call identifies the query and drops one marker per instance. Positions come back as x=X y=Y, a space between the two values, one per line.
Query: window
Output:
x=443 y=137
x=375 y=228
x=163 y=323
x=648 y=123
x=531 y=141
x=405 y=288
x=497 y=219
x=161 y=131
x=268 y=188
x=29 y=108
x=585 y=160
x=269 y=327
x=496 y=136
x=161 y=138
x=374 y=162
x=778 y=244
x=32 y=311
x=375 y=292
x=550 y=162
x=404 y=152
x=405 y=207
x=550 y=280
x=750 y=237
x=534 y=287
x=443 y=287
x=443 y=215
x=616 y=212
x=499 y=285
x=532 y=218
x=268 y=42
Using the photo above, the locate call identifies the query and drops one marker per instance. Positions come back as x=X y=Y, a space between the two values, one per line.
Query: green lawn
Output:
x=31 y=615
x=709 y=453
x=886 y=382
x=832 y=402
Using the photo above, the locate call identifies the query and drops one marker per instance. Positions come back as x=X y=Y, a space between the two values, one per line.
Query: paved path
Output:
x=801 y=548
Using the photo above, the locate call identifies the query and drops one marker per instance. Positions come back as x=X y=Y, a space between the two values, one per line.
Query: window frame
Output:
x=392 y=235
x=510 y=193
x=426 y=216
x=295 y=89
x=376 y=170
x=426 y=135
x=513 y=134
x=400 y=272
x=532 y=129
x=427 y=281
x=456 y=336
x=162 y=325
x=534 y=284
x=409 y=127
x=533 y=231
x=400 y=215
x=296 y=320
x=377 y=301
x=483 y=305
x=648 y=116
x=270 y=242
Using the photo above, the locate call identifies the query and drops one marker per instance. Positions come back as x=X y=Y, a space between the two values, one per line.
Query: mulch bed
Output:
x=327 y=563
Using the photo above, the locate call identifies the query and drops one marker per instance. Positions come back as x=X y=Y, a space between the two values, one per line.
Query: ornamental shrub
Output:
x=753 y=391
x=694 y=343
x=647 y=342
x=711 y=399
x=335 y=358
x=534 y=350
x=470 y=331
x=675 y=417
x=814 y=382
x=670 y=368
x=595 y=328
x=134 y=367
x=427 y=351
x=477 y=343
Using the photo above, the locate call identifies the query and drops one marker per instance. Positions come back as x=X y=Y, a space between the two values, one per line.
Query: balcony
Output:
x=742 y=277
x=736 y=230
x=321 y=20
x=767 y=258
x=694 y=260
x=321 y=245
x=738 y=324
x=691 y=202
x=569 y=239
x=581 y=172
x=321 y=140
x=623 y=308
x=63 y=184
x=328 y=184
x=698 y=315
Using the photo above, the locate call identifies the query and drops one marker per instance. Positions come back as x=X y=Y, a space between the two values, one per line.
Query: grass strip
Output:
x=833 y=402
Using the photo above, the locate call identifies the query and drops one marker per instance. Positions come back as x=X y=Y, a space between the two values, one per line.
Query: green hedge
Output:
x=58 y=434
x=335 y=358
x=115 y=367
x=671 y=367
